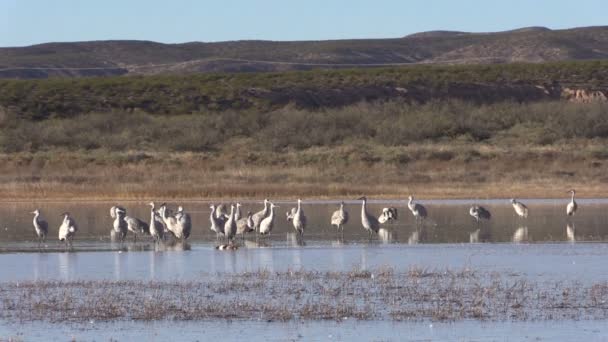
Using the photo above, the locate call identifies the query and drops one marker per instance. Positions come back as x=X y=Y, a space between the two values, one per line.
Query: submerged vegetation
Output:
x=381 y=294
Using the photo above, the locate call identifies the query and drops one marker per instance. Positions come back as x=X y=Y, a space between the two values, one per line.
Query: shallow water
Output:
x=349 y=330
x=546 y=246
x=448 y=222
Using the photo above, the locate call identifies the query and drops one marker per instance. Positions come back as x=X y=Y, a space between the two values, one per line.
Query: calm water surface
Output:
x=545 y=246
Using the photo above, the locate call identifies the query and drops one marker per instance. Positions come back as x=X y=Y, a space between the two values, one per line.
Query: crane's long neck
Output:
x=212 y=216
x=271 y=213
x=231 y=217
x=572 y=196
x=299 y=205
x=364 y=208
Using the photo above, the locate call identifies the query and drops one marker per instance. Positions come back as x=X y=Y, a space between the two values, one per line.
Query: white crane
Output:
x=67 y=229
x=260 y=215
x=299 y=219
x=520 y=209
x=368 y=221
x=572 y=206
x=417 y=209
x=339 y=218
x=157 y=228
x=268 y=222
x=230 y=225
x=479 y=213
x=41 y=227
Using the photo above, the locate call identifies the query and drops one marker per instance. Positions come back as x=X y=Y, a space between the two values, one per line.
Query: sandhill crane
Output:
x=68 y=229
x=217 y=224
x=245 y=224
x=520 y=209
x=268 y=222
x=339 y=218
x=237 y=214
x=260 y=215
x=156 y=225
x=230 y=225
x=221 y=212
x=290 y=214
x=119 y=225
x=40 y=226
x=299 y=219
x=417 y=209
x=136 y=226
x=480 y=213
x=572 y=206
x=179 y=227
x=388 y=214
x=369 y=222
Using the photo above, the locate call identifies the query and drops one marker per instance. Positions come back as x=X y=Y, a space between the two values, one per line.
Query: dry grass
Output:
x=381 y=294
x=430 y=170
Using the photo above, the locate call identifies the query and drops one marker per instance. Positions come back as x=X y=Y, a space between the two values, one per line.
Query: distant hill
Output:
x=102 y=58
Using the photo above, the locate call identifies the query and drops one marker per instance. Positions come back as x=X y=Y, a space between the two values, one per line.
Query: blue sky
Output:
x=25 y=22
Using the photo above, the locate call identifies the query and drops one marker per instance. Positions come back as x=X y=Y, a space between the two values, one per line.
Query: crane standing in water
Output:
x=41 y=227
x=520 y=209
x=572 y=206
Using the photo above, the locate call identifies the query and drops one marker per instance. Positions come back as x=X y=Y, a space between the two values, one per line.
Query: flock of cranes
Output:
x=165 y=224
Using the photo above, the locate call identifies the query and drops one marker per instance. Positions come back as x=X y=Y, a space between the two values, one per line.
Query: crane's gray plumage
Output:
x=290 y=214
x=368 y=221
x=230 y=225
x=157 y=227
x=245 y=224
x=388 y=214
x=260 y=215
x=572 y=206
x=41 y=227
x=119 y=225
x=299 y=219
x=217 y=224
x=480 y=213
x=339 y=218
x=137 y=226
x=180 y=226
x=520 y=209
x=417 y=209
x=268 y=222
x=67 y=229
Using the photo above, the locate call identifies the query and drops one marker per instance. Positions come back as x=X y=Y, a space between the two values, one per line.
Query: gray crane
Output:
x=479 y=213
x=67 y=229
x=572 y=206
x=137 y=226
x=268 y=222
x=245 y=224
x=217 y=224
x=369 y=222
x=41 y=227
x=180 y=226
x=230 y=225
x=299 y=219
x=260 y=215
x=119 y=226
x=388 y=214
x=520 y=209
x=339 y=218
x=417 y=209
x=157 y=227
